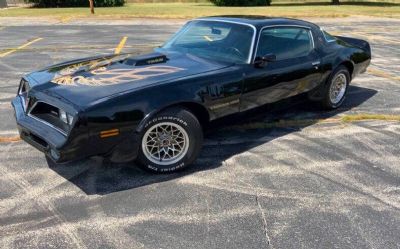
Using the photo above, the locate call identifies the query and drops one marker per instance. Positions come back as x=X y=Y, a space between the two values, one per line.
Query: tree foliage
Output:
x=75 y=3
x=241 y=2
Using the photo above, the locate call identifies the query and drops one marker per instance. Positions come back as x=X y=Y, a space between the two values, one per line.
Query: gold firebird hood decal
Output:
x=107 y=76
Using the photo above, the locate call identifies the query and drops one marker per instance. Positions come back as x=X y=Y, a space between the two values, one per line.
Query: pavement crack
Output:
x=69 y=231
x=264 y=221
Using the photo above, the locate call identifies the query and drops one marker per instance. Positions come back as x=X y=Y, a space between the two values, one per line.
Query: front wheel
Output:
x=336 y=89
x=170 y=141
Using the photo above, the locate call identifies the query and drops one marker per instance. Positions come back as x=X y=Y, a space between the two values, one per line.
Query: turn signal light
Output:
x=109 y=133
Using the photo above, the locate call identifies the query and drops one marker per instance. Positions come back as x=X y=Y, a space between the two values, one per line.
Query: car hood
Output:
x=82 y=82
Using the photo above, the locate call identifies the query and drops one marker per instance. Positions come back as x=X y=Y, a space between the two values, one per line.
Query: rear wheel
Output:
x=171 y=141
x=336 y=89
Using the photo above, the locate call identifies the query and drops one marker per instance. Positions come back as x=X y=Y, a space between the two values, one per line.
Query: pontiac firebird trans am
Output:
x=152 y=107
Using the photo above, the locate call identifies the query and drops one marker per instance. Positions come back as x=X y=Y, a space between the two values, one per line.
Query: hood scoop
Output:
x=148 y=59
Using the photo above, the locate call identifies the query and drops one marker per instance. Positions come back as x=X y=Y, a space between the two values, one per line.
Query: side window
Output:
x=285 y=42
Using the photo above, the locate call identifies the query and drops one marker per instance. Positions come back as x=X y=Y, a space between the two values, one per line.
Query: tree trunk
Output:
x=91 y=6
x=335 y=2
x=3 y=4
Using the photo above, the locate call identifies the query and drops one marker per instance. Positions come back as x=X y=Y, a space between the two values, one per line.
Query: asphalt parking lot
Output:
x=299 y=178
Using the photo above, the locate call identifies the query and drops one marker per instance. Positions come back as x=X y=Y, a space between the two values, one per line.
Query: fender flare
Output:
x=316 y=94
x=198 y=109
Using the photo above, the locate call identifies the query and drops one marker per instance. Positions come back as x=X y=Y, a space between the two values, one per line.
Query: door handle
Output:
x=315 y=64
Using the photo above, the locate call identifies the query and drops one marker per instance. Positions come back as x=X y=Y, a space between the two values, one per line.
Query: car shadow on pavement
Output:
x=223 y=139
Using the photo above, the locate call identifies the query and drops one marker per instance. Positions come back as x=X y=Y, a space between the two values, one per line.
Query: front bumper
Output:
x=61 y=148
x=41 y=136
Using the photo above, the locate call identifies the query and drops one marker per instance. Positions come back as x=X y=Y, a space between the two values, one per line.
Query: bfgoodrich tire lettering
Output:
x=170 y=141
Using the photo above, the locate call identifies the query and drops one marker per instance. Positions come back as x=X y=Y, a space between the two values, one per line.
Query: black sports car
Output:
x=152 y=107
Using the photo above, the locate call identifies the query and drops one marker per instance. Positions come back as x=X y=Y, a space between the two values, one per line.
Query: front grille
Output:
x=50 y=115
x=36 y=139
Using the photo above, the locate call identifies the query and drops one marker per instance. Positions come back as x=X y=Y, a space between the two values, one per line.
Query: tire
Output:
x=170 y=141
x=328 y=101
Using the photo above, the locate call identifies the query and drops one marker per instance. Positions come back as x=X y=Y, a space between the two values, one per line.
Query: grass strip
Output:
x=193 y=10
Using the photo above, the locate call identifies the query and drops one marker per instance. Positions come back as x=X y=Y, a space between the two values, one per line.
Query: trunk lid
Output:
x=364 y=45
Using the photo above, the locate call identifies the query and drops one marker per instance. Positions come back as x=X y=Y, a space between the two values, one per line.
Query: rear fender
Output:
x=317 y=93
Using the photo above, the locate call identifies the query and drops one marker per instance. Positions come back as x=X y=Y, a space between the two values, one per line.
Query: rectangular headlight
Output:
x=63 y=116
x=70 y=119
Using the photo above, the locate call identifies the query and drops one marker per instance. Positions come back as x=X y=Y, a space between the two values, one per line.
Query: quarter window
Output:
x=285 y=42
x=328 y=37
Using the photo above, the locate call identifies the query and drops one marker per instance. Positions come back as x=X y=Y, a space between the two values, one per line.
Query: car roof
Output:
x=260 y=21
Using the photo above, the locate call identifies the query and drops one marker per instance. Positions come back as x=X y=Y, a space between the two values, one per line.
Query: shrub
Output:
x=241 y=2
x=75 y=3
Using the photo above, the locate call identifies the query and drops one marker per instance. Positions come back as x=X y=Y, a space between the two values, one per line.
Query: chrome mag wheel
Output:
x=165 y=143
x=338 y=88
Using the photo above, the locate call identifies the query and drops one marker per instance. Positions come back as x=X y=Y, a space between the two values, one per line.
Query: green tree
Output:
x=3 y=3
x=75 y=3
x=241 y=2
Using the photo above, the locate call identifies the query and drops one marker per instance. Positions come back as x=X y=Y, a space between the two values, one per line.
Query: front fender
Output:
x=198 y=106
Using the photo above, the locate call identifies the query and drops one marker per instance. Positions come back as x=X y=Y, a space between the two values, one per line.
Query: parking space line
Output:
x=368 y=36
x=375 y=37
x=120 y=45
x=285 y=123
x=11 y=68
x=383 y=74
x=20 y=47
x=10 y=139
x=89 y=47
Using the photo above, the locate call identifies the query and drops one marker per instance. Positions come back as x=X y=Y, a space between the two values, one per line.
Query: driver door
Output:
x=295 y=70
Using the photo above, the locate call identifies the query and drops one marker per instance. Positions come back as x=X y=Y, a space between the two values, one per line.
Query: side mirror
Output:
x=261 y=61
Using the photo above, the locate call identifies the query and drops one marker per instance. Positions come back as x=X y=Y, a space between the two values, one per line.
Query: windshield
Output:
x=213 y=40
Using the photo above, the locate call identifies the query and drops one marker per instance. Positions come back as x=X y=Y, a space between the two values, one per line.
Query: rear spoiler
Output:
x=364 y=45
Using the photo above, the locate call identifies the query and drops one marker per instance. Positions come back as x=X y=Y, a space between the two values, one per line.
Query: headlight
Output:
x=70 y=119
x=65 y=117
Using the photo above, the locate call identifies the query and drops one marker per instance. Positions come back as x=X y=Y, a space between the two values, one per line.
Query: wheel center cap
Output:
x=165 y=142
